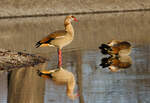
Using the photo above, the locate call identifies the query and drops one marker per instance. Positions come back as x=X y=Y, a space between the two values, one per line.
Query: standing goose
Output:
x=59 y=38
x=116 y=47
x=62 y=76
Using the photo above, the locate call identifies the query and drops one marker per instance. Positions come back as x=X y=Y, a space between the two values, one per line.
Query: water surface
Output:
x=82 y=57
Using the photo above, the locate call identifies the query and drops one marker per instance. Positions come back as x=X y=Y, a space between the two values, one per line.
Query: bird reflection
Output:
x=62 y=76
x=116 y=63
x=116 y=47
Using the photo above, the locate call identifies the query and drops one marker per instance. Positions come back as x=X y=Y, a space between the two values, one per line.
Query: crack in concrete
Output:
x=75 y=13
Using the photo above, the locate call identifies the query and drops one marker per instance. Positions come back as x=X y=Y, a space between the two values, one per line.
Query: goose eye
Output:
x=72 y=16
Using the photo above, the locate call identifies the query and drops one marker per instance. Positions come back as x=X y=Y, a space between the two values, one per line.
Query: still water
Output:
x=94 y=83
x=82 y=57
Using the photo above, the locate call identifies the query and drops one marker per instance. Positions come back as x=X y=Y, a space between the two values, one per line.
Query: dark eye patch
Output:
x=72 y=16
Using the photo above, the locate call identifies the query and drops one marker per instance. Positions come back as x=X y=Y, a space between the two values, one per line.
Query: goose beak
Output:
x=75 y=19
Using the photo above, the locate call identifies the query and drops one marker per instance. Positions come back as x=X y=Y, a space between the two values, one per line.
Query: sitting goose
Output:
x=116 y=47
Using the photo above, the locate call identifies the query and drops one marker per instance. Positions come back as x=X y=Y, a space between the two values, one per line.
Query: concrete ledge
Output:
x=34 y=7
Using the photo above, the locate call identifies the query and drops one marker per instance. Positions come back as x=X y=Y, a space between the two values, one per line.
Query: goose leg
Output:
x=59 y=58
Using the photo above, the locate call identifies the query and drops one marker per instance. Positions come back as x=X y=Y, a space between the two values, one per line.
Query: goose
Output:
x=116 y=47
x=60 y=38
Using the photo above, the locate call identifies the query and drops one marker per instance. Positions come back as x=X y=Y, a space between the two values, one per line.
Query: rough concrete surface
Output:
x=90 y=31
x=34 y=7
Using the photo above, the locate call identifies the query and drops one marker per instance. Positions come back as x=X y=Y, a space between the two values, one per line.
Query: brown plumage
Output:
x=62 y=76
x=121 y=48
x=116 y=47
x=122 y=62
x=59 y=38
x=116 y=63
x=53 y=36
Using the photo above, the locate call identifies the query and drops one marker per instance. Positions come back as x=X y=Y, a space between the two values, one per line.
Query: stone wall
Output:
x=41 y=7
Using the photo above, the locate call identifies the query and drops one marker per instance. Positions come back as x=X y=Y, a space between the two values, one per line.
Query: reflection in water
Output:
x=61 y=76
x=25 y=86
x=116 y=63
x=97 y=85
x=128 y=86
x=78 y=59
x=3 y=87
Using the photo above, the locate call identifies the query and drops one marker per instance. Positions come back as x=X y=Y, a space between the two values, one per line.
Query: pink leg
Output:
x=59 y=58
